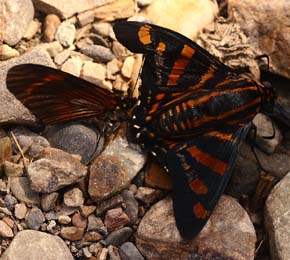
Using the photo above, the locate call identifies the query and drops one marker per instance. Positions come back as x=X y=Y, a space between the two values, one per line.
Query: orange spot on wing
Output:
x=161 y=47
x=144 y=34
x=198 y=187
x=199 y=211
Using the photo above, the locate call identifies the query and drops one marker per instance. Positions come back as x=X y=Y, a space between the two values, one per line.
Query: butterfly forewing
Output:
x=55 y=96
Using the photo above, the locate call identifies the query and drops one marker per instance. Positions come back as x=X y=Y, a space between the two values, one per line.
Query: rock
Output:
x=33 y=245
x=34 y=218
x=55 y=170
x=115 y=10
x=87 y=210
x=265 y=129
x=118 y=237
x=127 y=67
x=64 y=220
x=10 y=201
x=20 y=210
x=157 y=177
x=116 y=218
x=16 y=17
x=112 y=69
x=273 y=39
x=65 y=34
x=32 y=30
x=102 y=28
x=48 y=201
x=6 y=52
x=50 y=26
x=147 y=195
x=113 y=170
x=128 y=251
x=5 y=151
x=103 y=254
x=110 y=203
x=131 y=206
x=30 y=141
x=277 y=219
x=225 y=236
x=96 y=224
x=93 y=236
x=75 y=138
x=98 y=53
x=64 y=9
x=62 y=57
x=52 y=227
x=79 y=221
x=86 y=18
x=73 y=66
x=73 y=198
x=114 y=253
x=5 y=211
x=15 y=112
x=5 y=230
x=13 y=169
x=72 y=233
x=187 y=13
x=53 y=48
x=86 y=252
x=21 y=190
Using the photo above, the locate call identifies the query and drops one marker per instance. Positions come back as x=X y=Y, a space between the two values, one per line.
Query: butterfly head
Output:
x=269 y=96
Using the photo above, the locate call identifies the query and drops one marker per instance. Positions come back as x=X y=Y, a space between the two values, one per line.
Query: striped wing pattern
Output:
x=193 y=113
x=55 y=96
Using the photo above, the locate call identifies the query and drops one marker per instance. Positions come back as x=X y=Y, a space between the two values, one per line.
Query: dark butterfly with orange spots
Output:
x=192 y=112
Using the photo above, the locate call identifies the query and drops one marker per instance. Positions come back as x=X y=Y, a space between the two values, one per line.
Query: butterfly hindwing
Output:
x=200 y=170
x=55 y=96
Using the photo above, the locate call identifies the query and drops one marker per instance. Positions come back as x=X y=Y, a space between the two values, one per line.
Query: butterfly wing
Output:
x=200 y=169
x=55 y=96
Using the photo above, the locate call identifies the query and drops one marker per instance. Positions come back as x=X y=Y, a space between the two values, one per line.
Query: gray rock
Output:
x=16 y=16
x=131 y=205
x=48 y=201
x=33 y=245
x=118 y=237
x=225 y=236
x=73 y=198
x=96 y=224
x=35 y=218
x=10 y=201
x=66 y=9
x=113 y=170
x=55 y=170
x=15 y=112
x=98 y=53
x=128 y=251
x=75 y=138
x=109 y=204
x=277 y=219
x=21 y=190
x=65 y=34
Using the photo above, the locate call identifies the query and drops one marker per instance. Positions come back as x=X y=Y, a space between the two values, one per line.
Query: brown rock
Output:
x=116 y=218
x=93 y=236
x=5 y=151
x=48 y=201
x=50 y=26
x=73 y=198
x=225 y=236
x=109 y=204
x=5 y=230
x=72 y=233
x=87 y=210
x=147 y=195
x=79 y=221
x=13 y=169
x=20 y=210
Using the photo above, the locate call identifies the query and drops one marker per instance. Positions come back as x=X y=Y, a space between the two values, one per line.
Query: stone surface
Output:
x=187 y=13
x=48 y=200
x=21 y=190
x=32 y=30
x=98 y=53
x=50 y=26
x=127 y=67
x=113 y=170
x=15 y=112
x=55 y=170
x=13 y=169
x=34 y=218
x=131 y=206
x=73 y=66
x=15 y=19
x=6 y=52
x=5 y=230
x=72 y=233
x=128 y=251
x=65 y=34
x=64 y=10
x=33 y=245
x=5 y=151
x=73 y=198
x=118 y=237
x=275 y=37
x=116 y=218
x=225 y=236
x=20 y=210
x=110 y=203
x=277 y=219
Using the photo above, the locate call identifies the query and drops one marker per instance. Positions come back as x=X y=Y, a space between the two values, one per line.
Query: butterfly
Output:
x=193 y=112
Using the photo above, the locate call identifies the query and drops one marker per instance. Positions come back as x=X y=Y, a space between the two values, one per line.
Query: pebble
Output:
x=98 y=53
x=73 y=66
x=93 y=236
x=72 y=233
x=114 y=253
x=62 y=57
x=51 y=227
x=64 y=220
x=85 y=18
x=5 y=230
x=118 y=237
x=50 y=25
x=96 y=224
x=109 y=204
x=5 y=151
x=48 y=200
x=73 y=198
x=116 y=218
x=13 y=169
x=10 y=202
x=147 y=195
x=7 y=52
x=53 y=48
x=79 y=221
x=112 y=69
x=127 y=67
x=65 y=34
x=20 y=210
x=102 y=29
x=34 y=218
x=32 y=30
x=128 y=251
x=86 y=252
x=131 y=205
x=3 y=187
x=87 y=210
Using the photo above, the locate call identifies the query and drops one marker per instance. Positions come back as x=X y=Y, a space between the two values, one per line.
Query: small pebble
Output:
x=32 y=30
x=51 y=24
x=73 y=198
x=128 y=251
x=127 y=67
x=98 y=53
x=96 y=224
x=79 y=221
x=87 y=210
x=64 y=220
x=35 y=218
x=72 y=233
x=6 y=52
x=48 y=200
x=5 y=230
x=116 y=218
x=20 y=210
x=65 y=34
x=118 y=237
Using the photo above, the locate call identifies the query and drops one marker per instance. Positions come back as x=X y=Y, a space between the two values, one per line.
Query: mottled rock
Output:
x=72 y=233
x=6 y=52
x=16 y=17
x=48 y=200
x=225 y=236
x=96 y=224
x=277 y=219
x=147 y=195
x=50 y=26
x=20 y=210
x=21 y=190
x=64 y=10
x=73 y=66
x=114 y=253
x=113 y=170
x=116 y=218
x=55 y=170
x=5 y=230
x=118 y=237
x=130 y=205
x=275 y=37
x=35 y=218
x=98 y=53
x=79 y=221
x=109 y=204
x=33 y=245
x=75 y=138
x=73 y=198
x=187 y=13
x=128 y=251
x=15 y=112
